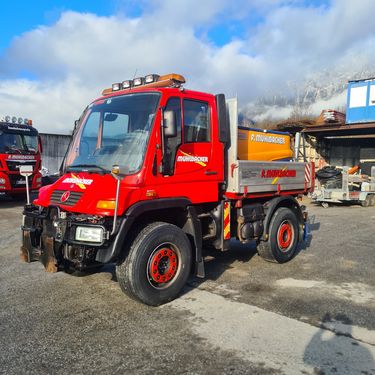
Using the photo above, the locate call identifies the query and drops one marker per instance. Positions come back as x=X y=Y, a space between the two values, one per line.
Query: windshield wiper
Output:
x=90 y=166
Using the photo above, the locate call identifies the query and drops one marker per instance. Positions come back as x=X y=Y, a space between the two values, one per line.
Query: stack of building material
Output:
x=293 y=125
x=329 y=116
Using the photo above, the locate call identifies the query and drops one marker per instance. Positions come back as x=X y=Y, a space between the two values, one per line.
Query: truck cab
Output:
x=19 y=146
x=151 y=177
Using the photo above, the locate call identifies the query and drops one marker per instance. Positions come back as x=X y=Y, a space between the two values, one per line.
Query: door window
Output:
x=196 y=121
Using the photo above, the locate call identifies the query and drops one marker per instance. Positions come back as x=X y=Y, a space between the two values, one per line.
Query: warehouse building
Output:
x=340 y=139
x=352 y=141
x=54 y=149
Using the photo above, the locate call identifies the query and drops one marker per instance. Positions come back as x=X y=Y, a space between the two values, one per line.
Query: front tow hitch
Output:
x=36 y=244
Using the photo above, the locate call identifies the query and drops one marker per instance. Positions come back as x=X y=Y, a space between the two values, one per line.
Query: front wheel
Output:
x=157 y=266
x=283 y=237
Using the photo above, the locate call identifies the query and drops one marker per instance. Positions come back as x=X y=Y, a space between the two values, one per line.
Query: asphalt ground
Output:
x=313 y=315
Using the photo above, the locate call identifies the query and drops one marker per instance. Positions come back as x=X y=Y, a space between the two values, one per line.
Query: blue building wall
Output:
x=361 y=101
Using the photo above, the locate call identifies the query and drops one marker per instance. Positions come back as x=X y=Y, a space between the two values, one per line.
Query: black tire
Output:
x=157 y=266
x=372 y=200
x=283 y=237
x=367 y=201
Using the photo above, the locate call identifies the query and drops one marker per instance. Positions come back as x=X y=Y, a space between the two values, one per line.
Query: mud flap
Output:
x=305 y=231
x=47 y=256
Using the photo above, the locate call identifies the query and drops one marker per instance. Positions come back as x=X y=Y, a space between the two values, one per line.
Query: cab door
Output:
x=193 y=159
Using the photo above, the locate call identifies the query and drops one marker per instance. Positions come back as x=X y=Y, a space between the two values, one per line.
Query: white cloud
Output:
x=75 y=58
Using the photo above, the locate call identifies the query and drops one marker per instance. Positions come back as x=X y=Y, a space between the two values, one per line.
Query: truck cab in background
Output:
x=19 y=146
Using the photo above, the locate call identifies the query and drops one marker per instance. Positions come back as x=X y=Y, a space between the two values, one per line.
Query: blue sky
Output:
x=57 y=56
x=22 y=15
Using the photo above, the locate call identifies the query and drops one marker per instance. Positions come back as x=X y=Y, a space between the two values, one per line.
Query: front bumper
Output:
x=48 y=235
x=13 y=183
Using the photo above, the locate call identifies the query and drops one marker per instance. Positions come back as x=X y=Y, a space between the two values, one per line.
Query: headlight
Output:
x=2 y=181
x=89 y=234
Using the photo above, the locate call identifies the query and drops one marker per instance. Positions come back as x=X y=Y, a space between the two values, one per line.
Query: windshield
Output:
x=13 y=143
x=114 y=131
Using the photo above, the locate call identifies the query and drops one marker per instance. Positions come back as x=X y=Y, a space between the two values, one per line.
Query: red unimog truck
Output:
x=152 y=176
x=19 y=146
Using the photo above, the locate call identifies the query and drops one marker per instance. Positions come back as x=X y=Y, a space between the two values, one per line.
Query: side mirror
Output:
x=169 y=124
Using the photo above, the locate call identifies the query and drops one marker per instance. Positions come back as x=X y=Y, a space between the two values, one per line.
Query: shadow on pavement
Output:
x=332 y=353
x=216 y=262
x=312 y=226
x=6 y=202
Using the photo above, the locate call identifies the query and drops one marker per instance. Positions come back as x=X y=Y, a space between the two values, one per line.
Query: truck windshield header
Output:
x=17 y=129
x=114 y=131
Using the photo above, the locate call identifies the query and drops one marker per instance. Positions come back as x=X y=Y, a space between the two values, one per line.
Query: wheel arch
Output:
x=288 y=202
x=177 y=211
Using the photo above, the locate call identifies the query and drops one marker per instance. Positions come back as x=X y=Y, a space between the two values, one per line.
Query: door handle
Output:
x=210 y=173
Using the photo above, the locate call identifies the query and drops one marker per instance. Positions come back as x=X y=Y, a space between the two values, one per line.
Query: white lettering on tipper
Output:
x=267 y=139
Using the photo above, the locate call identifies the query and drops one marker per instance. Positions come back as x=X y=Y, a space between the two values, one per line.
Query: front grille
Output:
x=18 y=181
x=74 y=197
x=13 y=165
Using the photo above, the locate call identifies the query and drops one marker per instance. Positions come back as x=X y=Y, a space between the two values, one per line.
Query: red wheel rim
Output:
x=285 y=235
x=163 y=266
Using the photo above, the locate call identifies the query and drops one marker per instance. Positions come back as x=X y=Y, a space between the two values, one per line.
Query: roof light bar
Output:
x=138 y=81
x=116 y=86
x=150 y=80
x=127 y=84
x=15 y=120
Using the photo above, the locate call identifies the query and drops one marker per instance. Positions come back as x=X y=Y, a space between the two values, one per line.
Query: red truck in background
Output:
x=19 y=145
x=151 y=177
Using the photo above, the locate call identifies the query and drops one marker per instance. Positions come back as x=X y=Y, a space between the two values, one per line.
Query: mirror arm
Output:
x=116 y=207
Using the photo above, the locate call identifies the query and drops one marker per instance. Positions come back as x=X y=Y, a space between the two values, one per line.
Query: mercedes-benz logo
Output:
x=65 y=196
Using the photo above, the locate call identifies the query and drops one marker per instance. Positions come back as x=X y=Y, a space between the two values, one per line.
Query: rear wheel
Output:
x=367 y=201
x=158 y=264
x=283 y=237
x=372 y=200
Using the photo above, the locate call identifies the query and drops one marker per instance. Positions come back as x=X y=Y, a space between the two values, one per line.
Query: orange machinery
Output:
x=258 y=144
